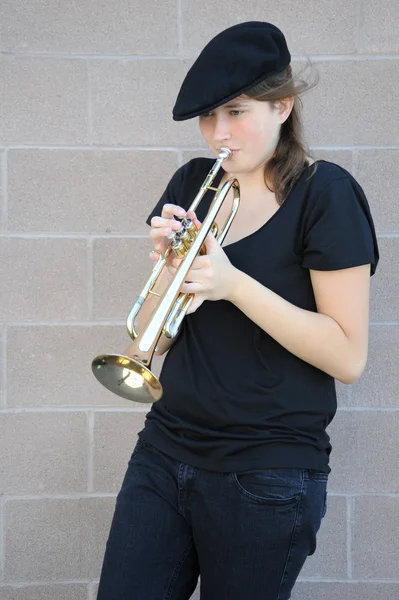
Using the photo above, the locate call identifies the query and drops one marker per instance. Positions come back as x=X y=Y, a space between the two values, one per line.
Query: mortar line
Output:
x=84 y=408
x=179 y=28
x=350 y=396
x=123 y=322
x=349 y=515
x=90 y=454
x=90 y=589
x=90 y=278
x=168 y=148
x=22 y=584
x=4 y=190
x=75 y=496
x=102 y=236
x=91 y=495
x=105 y=495
x=355 y=161
x=73 y=236
x=71 y=409
x=2 y=539
x=3 y=366
x=315 y=580
x=386 y=409
x=359 y=26
x=351 y=582
x=66 y=323
x=89 y=104
x=106 y=323
x=96 y=147
x=188 y=56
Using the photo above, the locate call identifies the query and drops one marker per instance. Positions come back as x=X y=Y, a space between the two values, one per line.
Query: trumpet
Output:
x=129 y=375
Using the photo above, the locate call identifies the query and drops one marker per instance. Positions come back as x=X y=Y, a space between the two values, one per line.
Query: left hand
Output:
x=211 y=276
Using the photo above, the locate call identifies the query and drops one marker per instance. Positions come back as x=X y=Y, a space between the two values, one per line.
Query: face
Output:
x=248 y=127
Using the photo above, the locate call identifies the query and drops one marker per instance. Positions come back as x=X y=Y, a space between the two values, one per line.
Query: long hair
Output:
x=290 y=157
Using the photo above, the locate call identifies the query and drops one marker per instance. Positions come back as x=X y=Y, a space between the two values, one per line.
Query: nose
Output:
x=221 y=132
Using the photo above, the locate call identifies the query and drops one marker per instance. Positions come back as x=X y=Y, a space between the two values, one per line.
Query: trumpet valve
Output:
x=189 y=227
x=182 y=239
x=178 y=247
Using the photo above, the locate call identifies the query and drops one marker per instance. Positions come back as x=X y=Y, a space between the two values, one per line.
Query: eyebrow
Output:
x=236 y=104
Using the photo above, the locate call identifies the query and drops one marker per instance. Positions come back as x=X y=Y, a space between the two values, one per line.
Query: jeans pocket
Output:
x=270 y=486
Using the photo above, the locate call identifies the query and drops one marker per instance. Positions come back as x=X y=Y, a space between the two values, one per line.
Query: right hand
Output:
x=163 y=226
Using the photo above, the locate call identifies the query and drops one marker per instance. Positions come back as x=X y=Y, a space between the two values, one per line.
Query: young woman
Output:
x=228 y=479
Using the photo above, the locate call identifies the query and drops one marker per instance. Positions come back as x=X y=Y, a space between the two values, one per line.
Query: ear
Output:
x=285 y=107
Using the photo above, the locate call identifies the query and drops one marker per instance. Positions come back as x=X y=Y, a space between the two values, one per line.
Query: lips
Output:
x=232 y=150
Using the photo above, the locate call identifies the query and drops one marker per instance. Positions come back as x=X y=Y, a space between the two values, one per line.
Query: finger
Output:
x=195 y=303
x=176 y=262
x=191 y=215
x=191 y=287
x=201 y=262
x=201 y=275
x=170 y=210
x=211 y=243
x=158 y=222
x=171 y=270
x=155 y=255
x=156 y=234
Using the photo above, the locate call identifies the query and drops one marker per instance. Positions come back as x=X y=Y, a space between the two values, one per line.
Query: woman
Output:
x=228 y=479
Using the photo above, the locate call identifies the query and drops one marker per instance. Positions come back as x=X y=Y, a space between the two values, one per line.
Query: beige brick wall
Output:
x=87 y=144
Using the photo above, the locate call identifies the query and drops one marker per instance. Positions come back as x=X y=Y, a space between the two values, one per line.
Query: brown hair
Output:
x=290 y=157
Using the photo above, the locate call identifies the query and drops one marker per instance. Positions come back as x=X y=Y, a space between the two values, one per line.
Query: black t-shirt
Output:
x=235 y=399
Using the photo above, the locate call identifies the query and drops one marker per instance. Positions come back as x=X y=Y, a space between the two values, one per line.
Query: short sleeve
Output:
x=338 y=229
x=169 y=196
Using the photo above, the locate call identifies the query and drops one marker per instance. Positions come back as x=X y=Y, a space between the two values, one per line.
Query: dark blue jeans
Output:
x=246 y=534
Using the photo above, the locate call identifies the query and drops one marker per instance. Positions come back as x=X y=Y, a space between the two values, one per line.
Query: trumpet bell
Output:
x=127 y=377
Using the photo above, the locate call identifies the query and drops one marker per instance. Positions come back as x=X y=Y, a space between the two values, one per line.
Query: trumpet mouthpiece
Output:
x=225 y=153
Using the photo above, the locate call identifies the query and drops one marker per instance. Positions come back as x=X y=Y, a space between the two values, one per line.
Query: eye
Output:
x=206 y=115
x=236 y=113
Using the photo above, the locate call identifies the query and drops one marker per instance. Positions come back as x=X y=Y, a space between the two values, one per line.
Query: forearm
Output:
x=313 y=337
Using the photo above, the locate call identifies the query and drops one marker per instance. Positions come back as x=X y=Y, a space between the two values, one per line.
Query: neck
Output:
x=255 y=182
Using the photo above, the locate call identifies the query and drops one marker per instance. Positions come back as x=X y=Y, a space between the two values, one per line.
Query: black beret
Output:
x=232 y=63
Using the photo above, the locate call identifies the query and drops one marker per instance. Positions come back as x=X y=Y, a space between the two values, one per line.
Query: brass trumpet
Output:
x=129 y=375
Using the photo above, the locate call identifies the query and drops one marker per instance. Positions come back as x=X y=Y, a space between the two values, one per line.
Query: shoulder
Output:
x=323 y=174
x=180 y=189
x=337 y=226
x=189 y=174
x=330 y=185
x=196 y=167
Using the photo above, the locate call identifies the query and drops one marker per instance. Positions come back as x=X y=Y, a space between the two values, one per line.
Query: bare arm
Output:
x=335 y=339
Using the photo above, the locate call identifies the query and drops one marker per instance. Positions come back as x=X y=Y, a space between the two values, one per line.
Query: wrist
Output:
x=236 y=285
